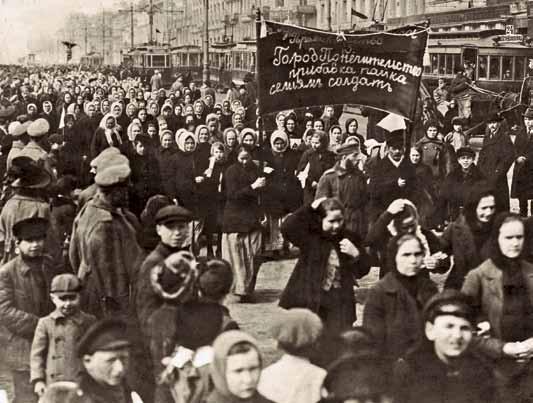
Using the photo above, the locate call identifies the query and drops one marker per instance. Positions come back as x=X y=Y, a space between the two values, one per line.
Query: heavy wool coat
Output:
x=106 y=255
x=393 y=317
x=24 y=299
x=304 y=288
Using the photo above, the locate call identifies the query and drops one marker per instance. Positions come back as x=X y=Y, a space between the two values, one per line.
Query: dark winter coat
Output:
x=166 y=157
x=495 y=158
x=319 y=162
x=383 y=184
x=145 y=180
x=423 y=377
x=393 y=317
x=304 y=288
x=522 y=186
x=241 y=213
x=351 y=189
x=24 y=298
x=185 y=185
x=212 y=198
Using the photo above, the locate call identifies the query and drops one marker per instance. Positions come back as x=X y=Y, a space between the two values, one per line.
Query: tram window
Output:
x=434 y=64
x=507 y=67
x=519 y=67
x=456 y=63
x=482 y=67
x=449 y=64
x=442 y=63
x=158 y=61
x=494 y=68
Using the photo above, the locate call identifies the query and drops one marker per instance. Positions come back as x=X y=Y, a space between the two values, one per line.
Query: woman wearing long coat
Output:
x=241 y=239
x=323 y=278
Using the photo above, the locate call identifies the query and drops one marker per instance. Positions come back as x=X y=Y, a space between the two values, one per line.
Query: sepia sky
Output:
x=26 y=22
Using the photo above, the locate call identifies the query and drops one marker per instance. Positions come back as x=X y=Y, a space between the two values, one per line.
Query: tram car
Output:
x=92 y=60
x=146 y=58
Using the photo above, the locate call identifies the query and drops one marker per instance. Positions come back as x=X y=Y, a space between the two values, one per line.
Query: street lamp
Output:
x=205 y=73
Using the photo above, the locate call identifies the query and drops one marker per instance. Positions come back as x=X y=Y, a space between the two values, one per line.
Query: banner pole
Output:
x=258 y=75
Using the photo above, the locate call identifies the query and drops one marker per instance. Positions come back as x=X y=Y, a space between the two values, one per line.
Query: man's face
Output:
x=67 y=303
x=451 y=335
x=108 y=367
x=32 y=247
x=493 y=126
x=485 y=209
x=242 y=374
x=396 y=152
x=528 y=122
x=174 y=234
x=465 y=161
x=432 y=132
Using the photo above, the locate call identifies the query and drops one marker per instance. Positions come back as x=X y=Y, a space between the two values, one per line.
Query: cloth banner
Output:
x=304 y=67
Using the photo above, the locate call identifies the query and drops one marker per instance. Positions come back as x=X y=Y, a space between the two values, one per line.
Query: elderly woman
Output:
x=501 y=289
x=330 y=258
x=241 y=239
x=293 y=379
x=393 y=310
x=313 y=163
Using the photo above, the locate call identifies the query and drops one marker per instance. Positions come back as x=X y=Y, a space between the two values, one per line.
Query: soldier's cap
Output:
x=173 y=214
x=19 y=129
x=38 y=128
x=105 y=155
x=105 y=335
x=112 y=175
x=66 y=283
x=528 y=113
x=394 y=138
x=347 y=148
x=356 y=376
x=28 y=174
x=449 y=302
x=465 y=151
x=31 y=228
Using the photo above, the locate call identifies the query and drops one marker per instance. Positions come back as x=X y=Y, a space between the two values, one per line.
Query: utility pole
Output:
x=206 y=42
x=103 y=36
x=131 y=26
x=86 y=28
x=151 y=22
x=328 y=12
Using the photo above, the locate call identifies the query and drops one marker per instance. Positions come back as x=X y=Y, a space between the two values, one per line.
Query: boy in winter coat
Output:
x=53 y=351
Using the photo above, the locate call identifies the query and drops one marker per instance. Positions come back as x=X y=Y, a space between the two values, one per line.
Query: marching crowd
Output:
x=130 y=214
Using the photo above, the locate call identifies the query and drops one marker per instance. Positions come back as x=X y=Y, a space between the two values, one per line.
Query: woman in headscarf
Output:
x=235 y=369
x=153 y=109
x=351 y=126
x=282 y=194
x=226 y=117
x=248 y=140
x=467 y=237
x=106 y=135
x=199 y=112
x=203 y=147
x=393 y=309
x=231 y=141
x=331 y=258
x=237 y=121
x=131 y=111
x=336 y=137
x=501 y=291
x=145 y=119
x=117 y=110
x=178 y=116
x=62 y=108
x=31 y=111
x=145 y=177
x=166 y=157
x=291 y=127
x=105 y=107
x=241 y=241
x=50 y=115
x=134 y=130
x=313 y=163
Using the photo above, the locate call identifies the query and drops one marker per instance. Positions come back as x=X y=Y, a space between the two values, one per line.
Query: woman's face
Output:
x=315 y=142
x=187 y=99
x=177 y=110
x=281 y=122
x=290 y=125
x=248 y=140
x=110 y=123
x=333 y=222
x=485 y=209
x=203 y=136
x=68 y=98
x=139 y=148
x=352 y=127
x=47 y=107
x=79 y=100
x=135 y=131
x=166 y=141
x=189 y=145
x=152 y=131
x=117 y=110
x=231 y=139
x=511 y=239
x=198 y=108
x=415 y=156
x=336 y=135
x=130 y=110
x=154 y=109
x=309 y=124
x=432 y=132
x=318 y=125
x=218 y=154
x=237 y=118
x=105 y=107
x=279 y=145
x=409 y=258
x=142 y=115
x=244 y=157
x=189 y=110
x=91 y=110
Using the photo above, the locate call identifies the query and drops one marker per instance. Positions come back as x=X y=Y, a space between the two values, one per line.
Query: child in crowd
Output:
x=53 y=351
x=457 y=138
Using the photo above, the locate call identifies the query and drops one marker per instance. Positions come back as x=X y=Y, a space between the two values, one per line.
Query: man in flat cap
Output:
x=104 y=248
x=37 y=132
x=174 y=230
x=24 y=282
x=443 y=368
x=346 y=182
x=104 y=351
x=393 y=177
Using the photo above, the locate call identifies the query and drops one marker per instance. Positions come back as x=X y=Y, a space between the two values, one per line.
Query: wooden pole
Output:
x=258 y=73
